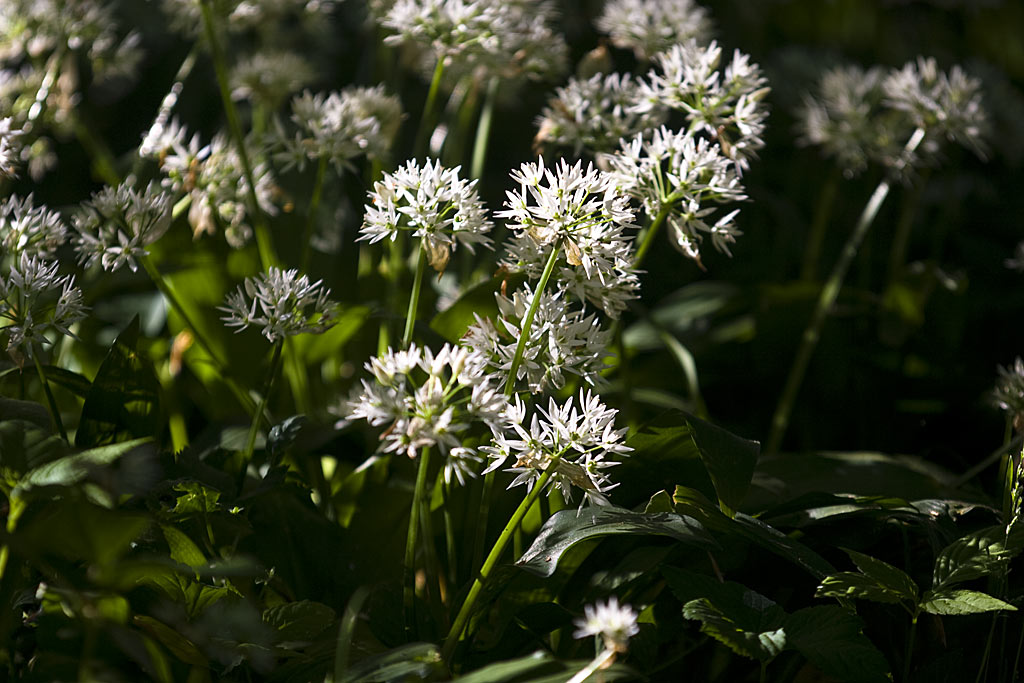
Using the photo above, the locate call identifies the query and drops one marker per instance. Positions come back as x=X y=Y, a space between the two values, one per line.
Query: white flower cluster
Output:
x=1008 y=394
x=29 y=229
x=433 y=203
x=267 y=77
x=116 y=225
x=561 y=340
x=651 y=26
x=35 y=301
x=578 y=211
x=574 y=441
x=844 y=119
x=727 y=105
x=213 y=176
x=615 y=623
x=946 y=104
x=682 y=174
x=339 y=126
x=240 y=15
x=504 y=37
x=430 y=399
x=10 y=148
x=283 y=302
x=594 y=114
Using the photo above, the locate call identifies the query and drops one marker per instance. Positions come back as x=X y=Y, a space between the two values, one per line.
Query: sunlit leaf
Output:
x=752 y=629
x=958 y=601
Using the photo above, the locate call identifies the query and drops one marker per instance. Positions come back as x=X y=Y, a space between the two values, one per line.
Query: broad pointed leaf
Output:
x=885 y=575
x=299 y=621
x=757 y=633
x=958 y=601
x=971 y=557
x=859 y=587
x=832 y=638
x=415 y=661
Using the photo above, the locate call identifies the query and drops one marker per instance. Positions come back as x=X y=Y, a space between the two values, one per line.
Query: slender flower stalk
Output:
x=409 y=568
x=527 y=324
x=483 y=129
x=827 y=298
x=414 y=297
x=54 y=410
x=426 y=125
x=254 y=426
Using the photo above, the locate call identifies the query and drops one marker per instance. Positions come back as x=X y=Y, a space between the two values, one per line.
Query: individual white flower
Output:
x=562 y=340
x=10 y=148
x=615 y=623
x=283 y=302
x=1016 y=262
x=726 y=105
x=29 y=229
x=35 y=301
x=266 y=78
x=1008 y=394
x=213 y=176
x=945 y=104
x=594 y=114
x=651 y=26
x=576 y=210
x=574 y=438
x=686 y=176
x=845 y=118
x=339 y=126
x=115 y=226
x=432 y=203
x=429 y=399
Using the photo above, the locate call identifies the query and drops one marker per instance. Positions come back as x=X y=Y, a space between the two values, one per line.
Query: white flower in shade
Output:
x=36 y=301
x=1016 y=262
x=945 y=104
x=116 y=225
x=594 y=114
x=28 y=229
x=727 y=105
x=575 y=439
x=579 y=212
x=266 y=78
x=10 y=148
x=615 y=623
x=651 y=26
x=562 y=340
x=213 y=176
x=242 y=15
x=845 y=118
x=432 y=203
x=283 y=302
x=686 y=176
x=1008 y=394
x=339 y=126
x=429 y=399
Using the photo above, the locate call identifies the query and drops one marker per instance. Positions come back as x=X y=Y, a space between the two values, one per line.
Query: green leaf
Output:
x=885 y=575
x=832 y=639
x=299 y=621
x=180 y=646
x=26 y=411
x=752 y=629
x=24 y=446
x=959 y=601
x=196 y=499
x=407 y=662
x=123 y=401
x=183 y=549
x=284 y=434
x=81 y=531
x=971 y=557
x=540 y=667
x=453 y=322
x=72 y=381
x=858 y=586
x=72 y=469
x=566 y=528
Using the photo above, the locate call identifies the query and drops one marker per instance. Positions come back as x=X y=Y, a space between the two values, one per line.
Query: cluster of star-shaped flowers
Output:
x=578 y=211
x=573 y=441
x=338 y=126
x=429 y=399
x=562 y=341
x=10 y=147
x=281 y=302
x=26 y=228
x=651 y=26
x=35 y=301
x=433 y=203
x=685 y=176
x=114 y=227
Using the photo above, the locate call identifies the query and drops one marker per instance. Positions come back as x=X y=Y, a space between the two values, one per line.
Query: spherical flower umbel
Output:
x=574 y=441
x=10 y=148
x=615 y=623
x=433 y=203
x=29 y=229
x=282 y=302
x=116 y=225
x=651 y=26
x=1008 y=394
x=430 y=400
x=36 y=301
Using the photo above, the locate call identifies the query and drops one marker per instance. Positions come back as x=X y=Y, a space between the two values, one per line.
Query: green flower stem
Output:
x=102 y=158
x=167 y=104
x=409 y=584
x=346 y=632
x=481 y=519
x=904 y=225
x=426 y=126
x=295 y=372
x=172 y=299
x=652 y=230
x=816 y=238
x=414 y=298
x=54 y=410
x=451 y=554
x=601 y=661
x=910 y=648
x=254 y=426
x=524 y=333
x=268 y=257
x=483 y=128
x=452 y=640
x=314 y=206
x=827 y=298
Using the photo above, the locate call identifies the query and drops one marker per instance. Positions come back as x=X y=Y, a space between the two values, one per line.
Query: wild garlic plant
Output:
x=648 y=26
